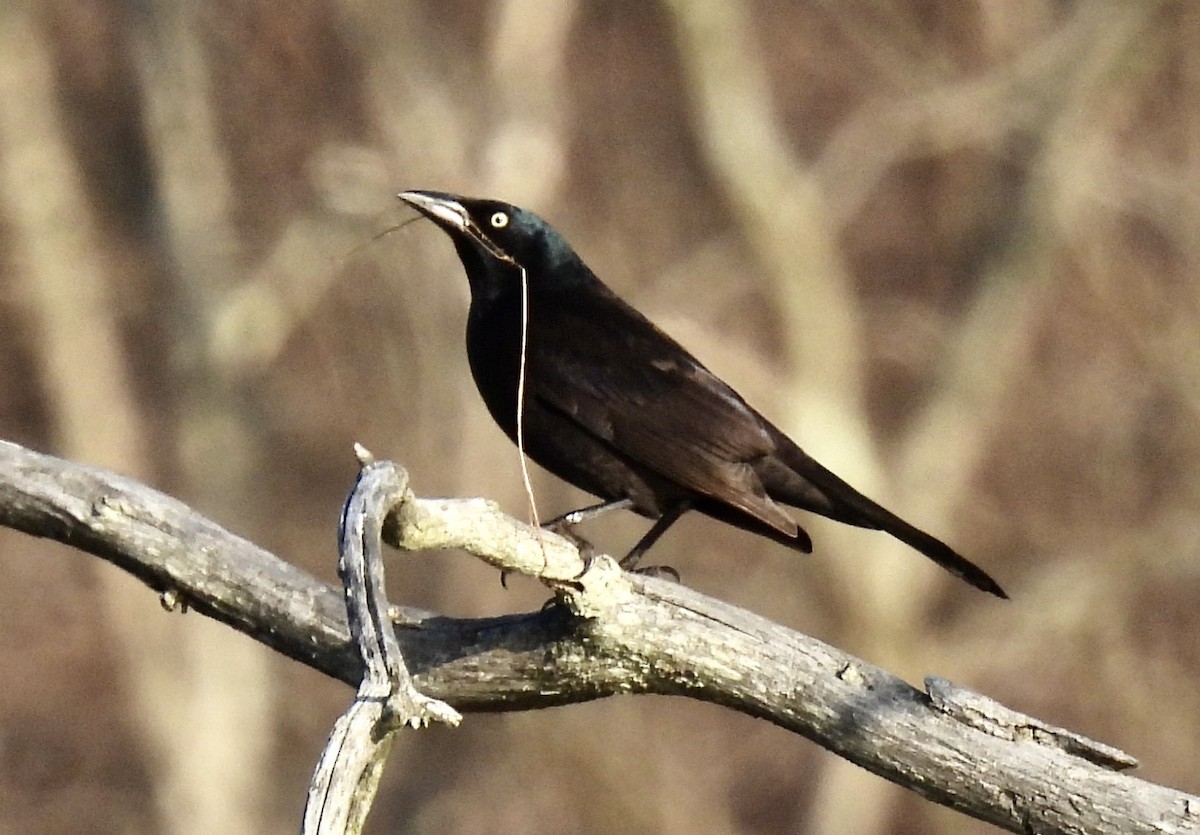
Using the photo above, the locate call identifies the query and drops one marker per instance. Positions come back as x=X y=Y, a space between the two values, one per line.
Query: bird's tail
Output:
x=935 y=549
x=843 y=503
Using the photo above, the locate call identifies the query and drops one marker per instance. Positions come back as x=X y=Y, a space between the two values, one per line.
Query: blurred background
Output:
x=949 y=245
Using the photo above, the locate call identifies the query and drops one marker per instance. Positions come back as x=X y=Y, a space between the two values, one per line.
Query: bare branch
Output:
x=613 y=633
x=347 y=775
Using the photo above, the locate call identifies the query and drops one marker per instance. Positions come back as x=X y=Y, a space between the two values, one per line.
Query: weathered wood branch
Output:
x=612 y=633
x=347 y=777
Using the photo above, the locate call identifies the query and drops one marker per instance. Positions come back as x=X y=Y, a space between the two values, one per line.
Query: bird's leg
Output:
x=575 y=517
x=670 y=517
x=565 y=525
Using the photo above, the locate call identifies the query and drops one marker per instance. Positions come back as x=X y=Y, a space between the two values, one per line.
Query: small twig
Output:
x=348 y=772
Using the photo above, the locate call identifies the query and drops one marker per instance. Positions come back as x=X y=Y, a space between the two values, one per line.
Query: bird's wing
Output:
x=625 y=381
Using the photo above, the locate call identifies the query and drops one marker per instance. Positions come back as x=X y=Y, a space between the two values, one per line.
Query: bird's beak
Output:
x=447 y=212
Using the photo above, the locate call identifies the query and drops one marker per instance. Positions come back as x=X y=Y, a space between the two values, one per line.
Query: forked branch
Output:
x=610 y=632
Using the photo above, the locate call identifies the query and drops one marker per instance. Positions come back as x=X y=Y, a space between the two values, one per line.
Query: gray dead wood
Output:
x=347 y=775
x=611 y=633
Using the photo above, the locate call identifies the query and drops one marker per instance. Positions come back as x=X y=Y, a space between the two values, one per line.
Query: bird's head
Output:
x=495 y=240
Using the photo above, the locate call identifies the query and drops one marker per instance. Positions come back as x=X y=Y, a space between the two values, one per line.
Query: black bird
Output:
x=618 y=408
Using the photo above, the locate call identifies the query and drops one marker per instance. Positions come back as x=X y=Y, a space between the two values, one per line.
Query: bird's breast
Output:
x=494 y=355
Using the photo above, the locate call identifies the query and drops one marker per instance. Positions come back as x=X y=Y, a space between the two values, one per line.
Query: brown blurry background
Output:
x=950 y=245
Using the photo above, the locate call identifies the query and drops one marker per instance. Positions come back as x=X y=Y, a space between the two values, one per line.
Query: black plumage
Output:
x=620 y=409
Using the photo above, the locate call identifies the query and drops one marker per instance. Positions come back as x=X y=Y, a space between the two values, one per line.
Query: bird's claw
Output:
x=565 y=527
x=657 y=571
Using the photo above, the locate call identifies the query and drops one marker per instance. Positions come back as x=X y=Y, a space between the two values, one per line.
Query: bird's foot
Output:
x=564 y=527
x=630 y=563
x=657 y=571
x=566 y=530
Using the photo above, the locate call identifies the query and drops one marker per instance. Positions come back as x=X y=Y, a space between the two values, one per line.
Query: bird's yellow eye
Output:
x=499 y=220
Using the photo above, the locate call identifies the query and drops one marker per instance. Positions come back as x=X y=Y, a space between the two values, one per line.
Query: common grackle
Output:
x=618 y=408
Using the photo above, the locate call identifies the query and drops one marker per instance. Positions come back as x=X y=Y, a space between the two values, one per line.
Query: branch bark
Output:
x=347 y=776
x=609 y=633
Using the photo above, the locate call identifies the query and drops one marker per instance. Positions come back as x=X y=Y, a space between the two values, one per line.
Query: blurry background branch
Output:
x=610 y=633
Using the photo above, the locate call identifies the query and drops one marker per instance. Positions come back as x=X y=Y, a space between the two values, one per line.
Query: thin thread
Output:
x=521 y=400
